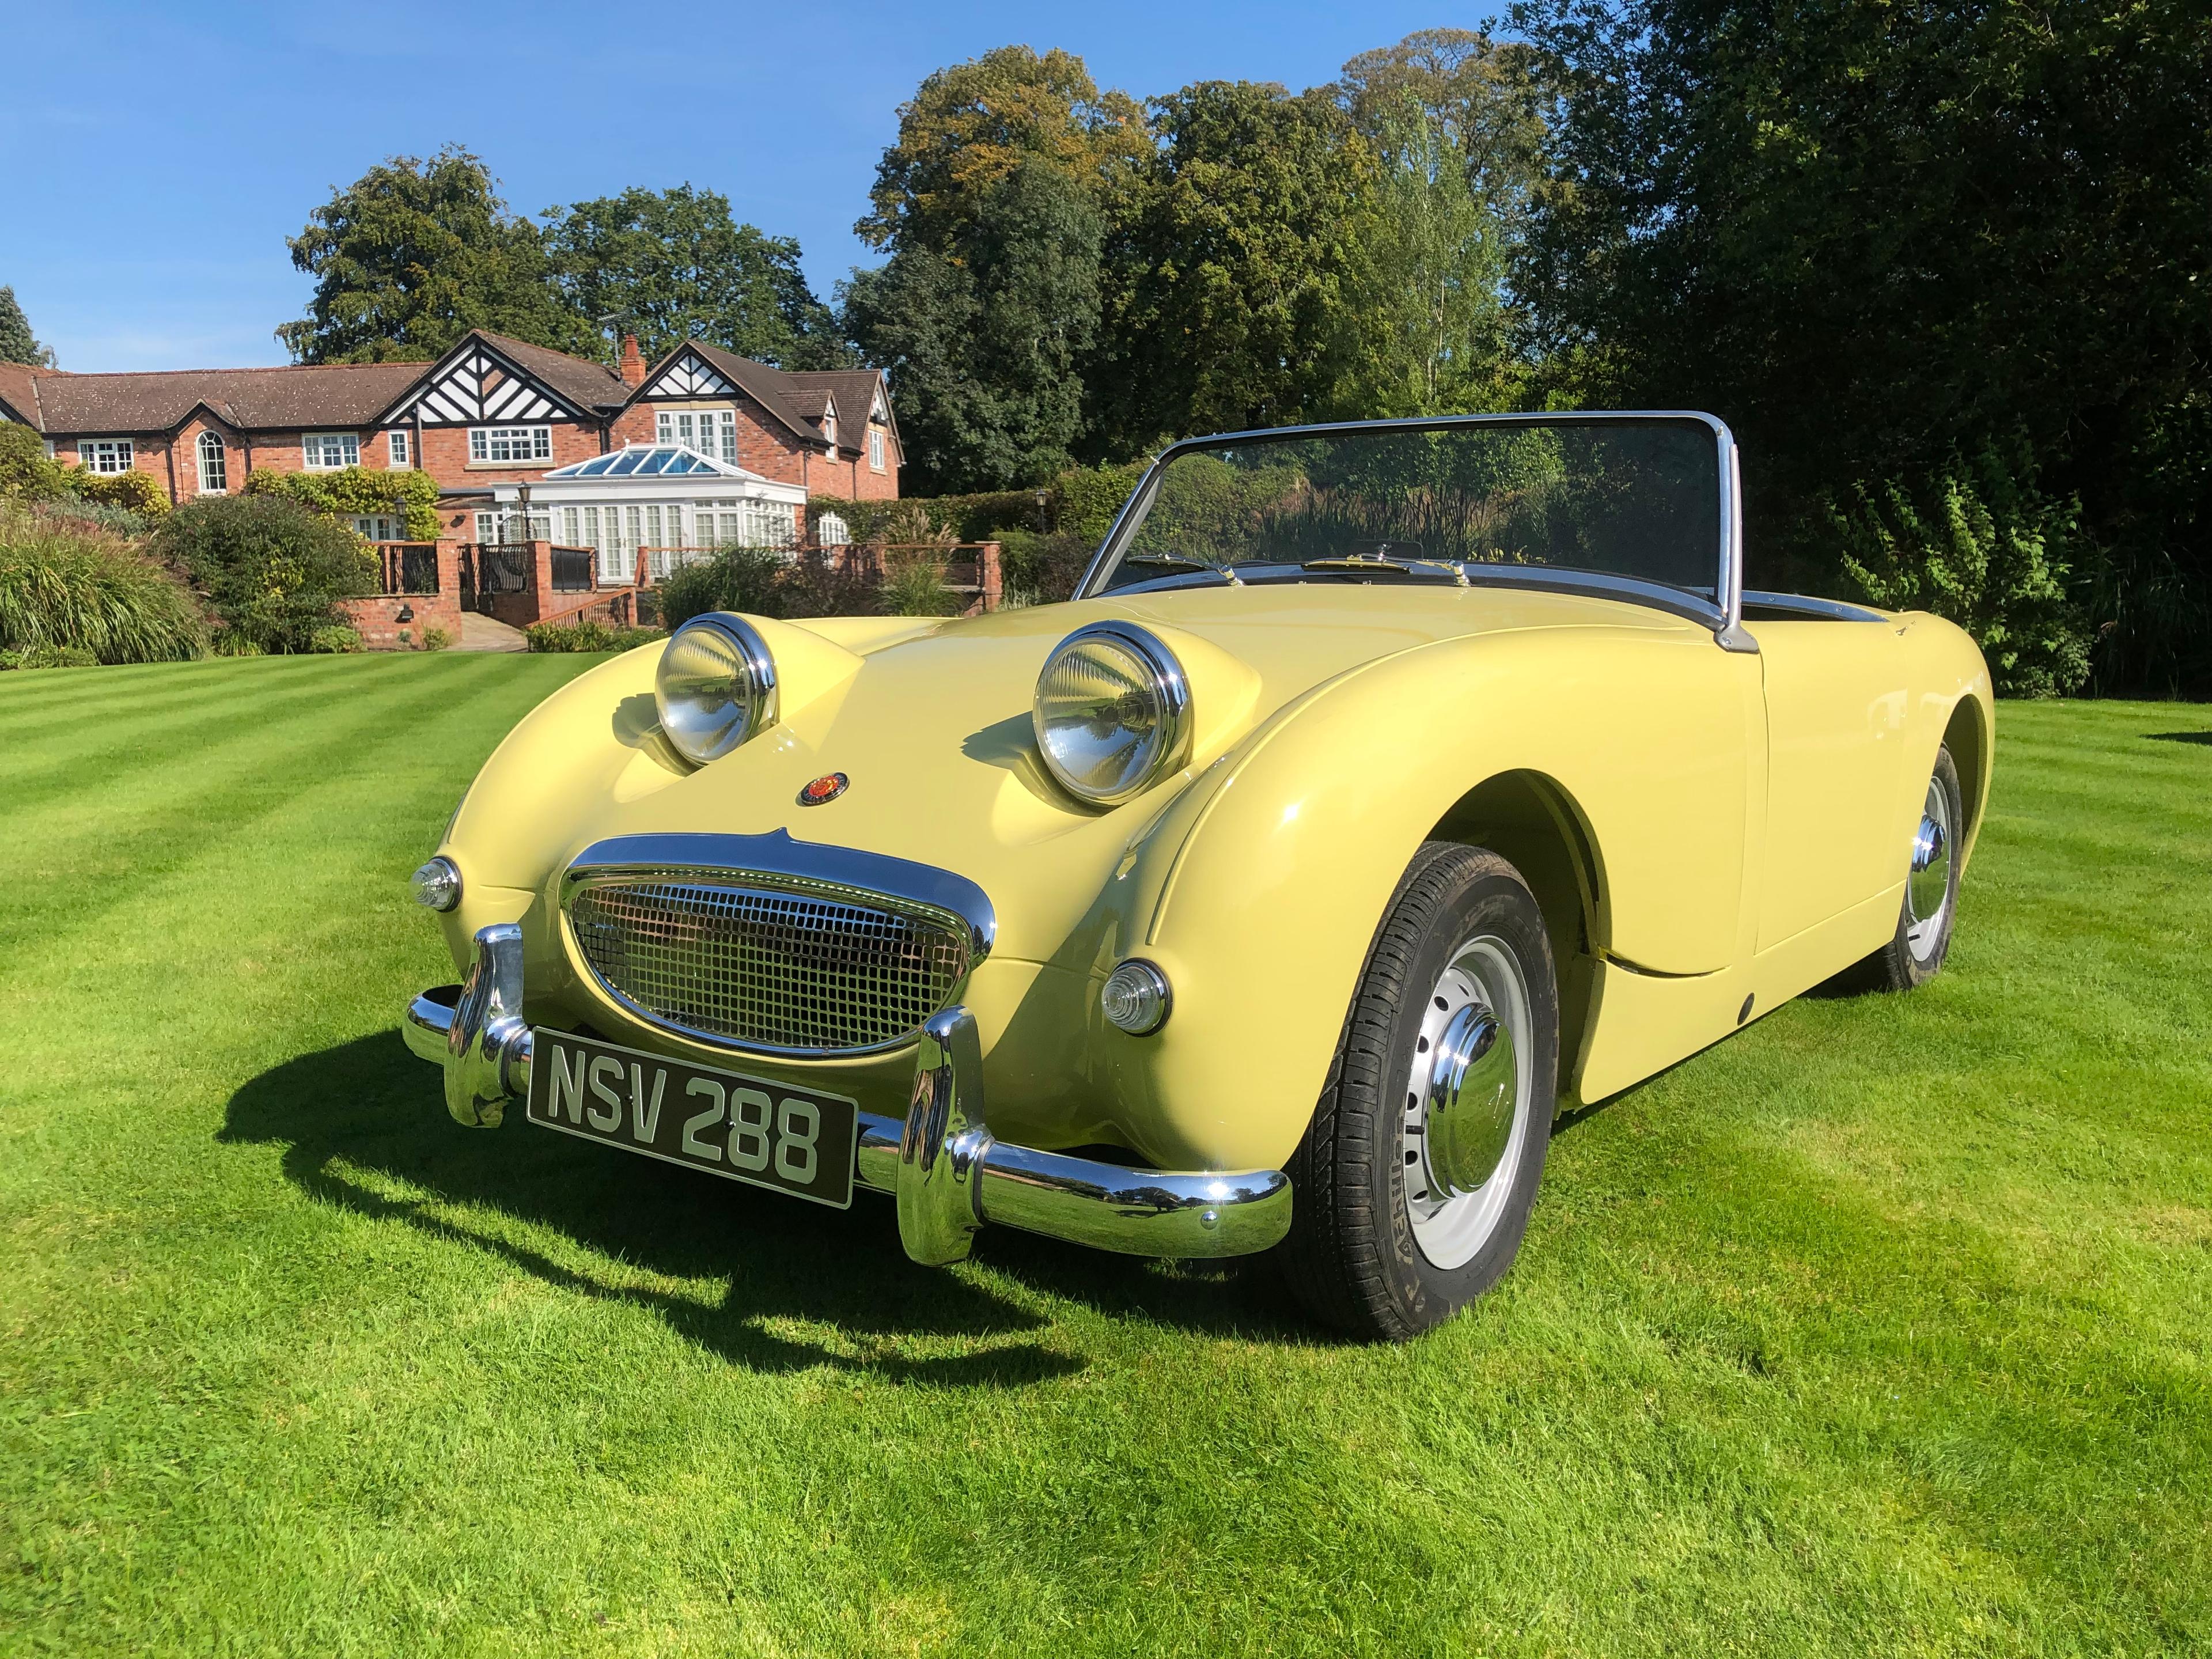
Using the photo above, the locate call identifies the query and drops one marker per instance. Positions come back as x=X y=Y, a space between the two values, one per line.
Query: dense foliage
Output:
x=766 y=583
x=402 y=492
x=413 y=254
x=269 y=568
x=71 y=590
x=17 y=343
x=1867 y=235
x=674 y=265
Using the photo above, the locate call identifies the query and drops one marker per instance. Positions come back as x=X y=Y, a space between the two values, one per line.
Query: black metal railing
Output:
x=407 y=566
x=503 y=569
x=572 y=569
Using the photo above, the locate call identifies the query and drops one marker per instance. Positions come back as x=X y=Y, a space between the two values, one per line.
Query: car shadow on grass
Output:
x=365 y=1128
x=2180 y=737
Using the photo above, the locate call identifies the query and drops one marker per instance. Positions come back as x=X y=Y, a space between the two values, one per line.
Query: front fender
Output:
x=1267 y=903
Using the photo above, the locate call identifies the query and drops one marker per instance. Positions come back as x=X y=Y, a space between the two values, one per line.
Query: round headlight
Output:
x=716 y=686
x=1113 y=711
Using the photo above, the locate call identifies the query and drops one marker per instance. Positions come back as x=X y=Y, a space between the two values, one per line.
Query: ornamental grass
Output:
x=71 y=585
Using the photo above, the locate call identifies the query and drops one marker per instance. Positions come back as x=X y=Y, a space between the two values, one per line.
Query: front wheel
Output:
x=1915 y=952
x=1415 y=1179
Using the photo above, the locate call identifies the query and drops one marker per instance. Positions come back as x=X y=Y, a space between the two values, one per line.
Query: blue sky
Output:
x=160 y=153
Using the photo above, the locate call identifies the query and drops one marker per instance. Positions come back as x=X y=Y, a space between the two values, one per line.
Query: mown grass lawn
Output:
x=1880 y=1328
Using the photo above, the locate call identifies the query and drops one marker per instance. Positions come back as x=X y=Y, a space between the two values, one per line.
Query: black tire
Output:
x=1901 y=964
x=1352 y=1257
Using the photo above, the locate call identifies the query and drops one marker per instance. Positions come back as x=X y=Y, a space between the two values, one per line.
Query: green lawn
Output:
x=1880 y=1328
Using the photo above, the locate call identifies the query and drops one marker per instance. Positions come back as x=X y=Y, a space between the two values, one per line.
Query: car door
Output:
x=1836 y=704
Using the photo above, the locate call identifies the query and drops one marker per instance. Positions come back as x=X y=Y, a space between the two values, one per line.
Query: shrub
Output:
x=272 y=570
x=334 y=640
x=913 y=585
x=48 y=656
x=134 y=492
x=587 y=636
x=1976 y=543
x=435 y=639
x=1034 y=569
x=766 y=583
x=735 y=579
x=400 y=492
x=116 y=521
x=65 y=586
x=26 y=474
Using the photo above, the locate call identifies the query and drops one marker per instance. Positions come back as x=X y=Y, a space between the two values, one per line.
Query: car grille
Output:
x=759 y=967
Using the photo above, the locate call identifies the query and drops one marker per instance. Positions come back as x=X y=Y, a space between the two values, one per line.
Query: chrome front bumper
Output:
x=948 y=1172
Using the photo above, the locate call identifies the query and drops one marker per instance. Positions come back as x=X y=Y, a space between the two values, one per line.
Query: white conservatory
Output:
x=666 y=498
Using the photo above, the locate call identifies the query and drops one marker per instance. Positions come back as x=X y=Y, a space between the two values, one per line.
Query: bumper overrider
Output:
x=949 y=1174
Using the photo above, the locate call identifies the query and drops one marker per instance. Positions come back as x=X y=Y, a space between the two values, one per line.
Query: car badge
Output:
x=827 y=787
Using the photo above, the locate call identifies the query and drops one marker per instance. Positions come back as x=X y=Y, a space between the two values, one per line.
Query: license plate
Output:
x=743 y=1128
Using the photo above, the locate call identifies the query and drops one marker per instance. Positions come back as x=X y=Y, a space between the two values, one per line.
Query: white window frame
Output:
x=492 y=527
x=374 y=526
x=509 y=445
x=720 y=424
x=212 y=455
x=876 y=448
x=830 y=430
x=315 y=447
x=399 y=450
x=105 y=457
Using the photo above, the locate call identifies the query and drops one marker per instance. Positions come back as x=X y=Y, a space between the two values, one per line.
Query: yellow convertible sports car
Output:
x=1386 y=789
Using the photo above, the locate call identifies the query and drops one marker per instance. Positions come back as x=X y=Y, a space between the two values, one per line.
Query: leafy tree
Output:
x=269 y=568
x=412 y=255
x=1434 y=323
x=1866 y=235
x=1977 y=543
x=993 y=204
x=17 y=343
x=984 y=344
x=1488 y=98
x=971 y=126
x=1235 y=273
x=677 y=266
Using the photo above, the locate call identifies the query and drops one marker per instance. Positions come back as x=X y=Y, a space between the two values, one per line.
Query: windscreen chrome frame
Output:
x=1724 y=618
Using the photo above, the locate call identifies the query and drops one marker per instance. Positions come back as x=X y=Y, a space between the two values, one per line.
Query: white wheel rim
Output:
x=1450 y=1228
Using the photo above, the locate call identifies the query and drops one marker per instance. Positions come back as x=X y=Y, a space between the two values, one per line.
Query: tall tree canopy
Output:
x=17 y=343
x=676 y=265
x=1235 y=271
x=992 y=204
x=1871 y=236
x=412 y=255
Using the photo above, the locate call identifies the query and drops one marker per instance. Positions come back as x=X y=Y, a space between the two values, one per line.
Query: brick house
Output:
x=489 y=421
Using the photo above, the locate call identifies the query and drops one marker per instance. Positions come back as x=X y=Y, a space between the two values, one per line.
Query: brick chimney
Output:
x=633 y=366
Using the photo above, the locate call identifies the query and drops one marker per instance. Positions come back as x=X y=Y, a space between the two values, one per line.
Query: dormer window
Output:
x=830 y=428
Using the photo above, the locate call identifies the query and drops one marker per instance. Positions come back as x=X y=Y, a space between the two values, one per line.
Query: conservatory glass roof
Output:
x=643 y=461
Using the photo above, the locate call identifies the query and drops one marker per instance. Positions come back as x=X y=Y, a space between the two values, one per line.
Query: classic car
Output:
x=1386 y=790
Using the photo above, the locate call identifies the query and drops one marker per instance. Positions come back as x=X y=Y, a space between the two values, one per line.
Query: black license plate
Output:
x=743 y=1128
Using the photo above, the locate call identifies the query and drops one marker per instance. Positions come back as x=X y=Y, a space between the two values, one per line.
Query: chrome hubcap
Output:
x=1467 y=1102
x=1928 y=888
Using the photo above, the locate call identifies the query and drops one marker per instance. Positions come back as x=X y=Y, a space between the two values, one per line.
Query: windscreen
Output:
x=1637 y=498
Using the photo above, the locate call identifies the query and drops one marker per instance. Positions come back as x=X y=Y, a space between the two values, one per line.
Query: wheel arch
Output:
x=1531 y=819
x=1969 y=737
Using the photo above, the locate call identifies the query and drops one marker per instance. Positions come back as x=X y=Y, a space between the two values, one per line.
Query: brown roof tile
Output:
x=593 y=385
x=335 y=394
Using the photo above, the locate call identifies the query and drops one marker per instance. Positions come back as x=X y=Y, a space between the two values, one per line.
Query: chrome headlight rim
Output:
x=755 y=661
x=1166 y=681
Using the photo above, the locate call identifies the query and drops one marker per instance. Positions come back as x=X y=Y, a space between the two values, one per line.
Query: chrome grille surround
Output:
x=769 y=945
